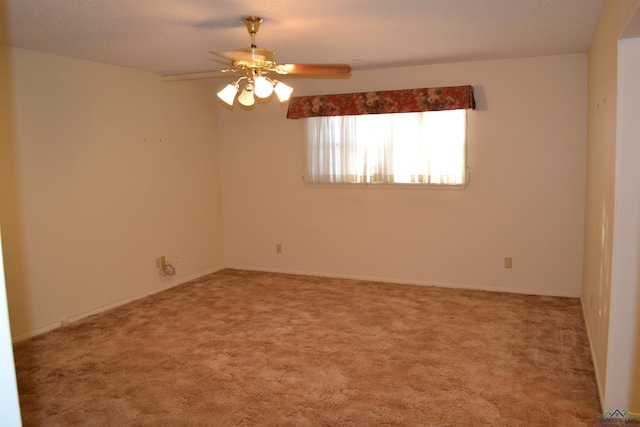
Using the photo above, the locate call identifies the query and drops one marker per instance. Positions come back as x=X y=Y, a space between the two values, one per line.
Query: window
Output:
x=410 y=136
x=401 y=148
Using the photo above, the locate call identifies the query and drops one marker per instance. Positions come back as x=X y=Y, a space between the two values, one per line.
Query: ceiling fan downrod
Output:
x=253 y=25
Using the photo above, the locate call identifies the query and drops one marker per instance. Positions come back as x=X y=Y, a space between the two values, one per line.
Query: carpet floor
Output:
x=240 y=348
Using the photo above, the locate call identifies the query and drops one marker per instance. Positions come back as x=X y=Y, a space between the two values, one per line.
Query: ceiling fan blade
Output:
x=196 y=75
x=315 y=69
x=225 y=55
x=240 y=55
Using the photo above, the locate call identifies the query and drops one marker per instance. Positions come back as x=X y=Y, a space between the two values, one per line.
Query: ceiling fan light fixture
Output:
x=263 y=87
x=246 y=98
x=283 y=91
x=228 y=94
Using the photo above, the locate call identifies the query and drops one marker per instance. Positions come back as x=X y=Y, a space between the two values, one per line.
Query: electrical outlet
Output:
x=508 y=263
x=160 y=262
x=278 y=248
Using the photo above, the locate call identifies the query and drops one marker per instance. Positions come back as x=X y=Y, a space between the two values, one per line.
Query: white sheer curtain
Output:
x=330 y=150
x=427 y=148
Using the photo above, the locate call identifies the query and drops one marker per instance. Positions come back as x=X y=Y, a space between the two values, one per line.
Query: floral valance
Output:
x=382 y=102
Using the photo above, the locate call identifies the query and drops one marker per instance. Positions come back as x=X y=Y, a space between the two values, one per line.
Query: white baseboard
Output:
x=76 y=317
x=79 y=316
x=415 y=282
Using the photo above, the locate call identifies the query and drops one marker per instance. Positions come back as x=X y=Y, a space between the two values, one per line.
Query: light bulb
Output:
x=228 y=94
x=283 y=91
x=246 y=97
x=263 y=87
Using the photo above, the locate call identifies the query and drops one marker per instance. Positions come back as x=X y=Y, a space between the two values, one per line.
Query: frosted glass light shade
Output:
x=246 y=97
x=283 y=91
x=228 y=94
x=263 y=88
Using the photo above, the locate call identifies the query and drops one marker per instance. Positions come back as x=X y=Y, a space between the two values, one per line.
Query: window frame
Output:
x=394 y=185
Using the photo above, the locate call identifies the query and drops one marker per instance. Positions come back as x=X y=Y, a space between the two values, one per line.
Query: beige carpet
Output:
x=241 y=348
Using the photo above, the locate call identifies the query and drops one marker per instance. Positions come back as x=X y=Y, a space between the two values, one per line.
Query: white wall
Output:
x=601 y=194
x=9 y=402
x=526 y=198
x=623 y=368
x=110 y=168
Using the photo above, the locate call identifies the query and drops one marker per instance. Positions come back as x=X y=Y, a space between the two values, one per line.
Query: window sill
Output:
x=399 y=186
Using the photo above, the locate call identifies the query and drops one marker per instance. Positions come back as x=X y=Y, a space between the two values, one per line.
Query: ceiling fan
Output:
x=255 y=63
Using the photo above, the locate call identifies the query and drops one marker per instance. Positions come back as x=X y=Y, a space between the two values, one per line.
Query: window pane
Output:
x=428 y=148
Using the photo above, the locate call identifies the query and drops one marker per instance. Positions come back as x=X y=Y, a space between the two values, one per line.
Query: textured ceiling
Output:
x=168 y=36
